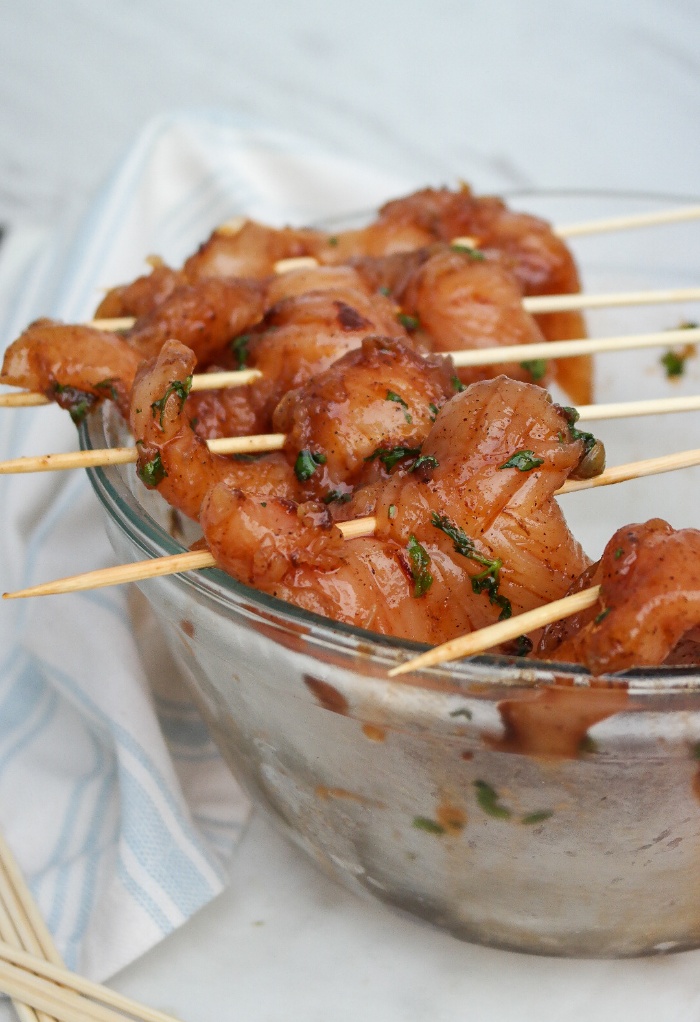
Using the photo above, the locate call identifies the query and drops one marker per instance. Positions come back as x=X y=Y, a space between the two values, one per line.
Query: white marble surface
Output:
x=545 y=94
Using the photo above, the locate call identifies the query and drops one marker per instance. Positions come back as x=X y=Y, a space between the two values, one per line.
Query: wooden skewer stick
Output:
x=156 y=567
x=502 y=631
x=569 y=349
x=256 y=444
x=73 y=982
x=624 y=223
x=21 y=923
x=200 y=381
x=262 y=443
x=533 y=304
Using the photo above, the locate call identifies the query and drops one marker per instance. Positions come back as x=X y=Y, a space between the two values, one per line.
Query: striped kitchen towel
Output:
x=112 y=796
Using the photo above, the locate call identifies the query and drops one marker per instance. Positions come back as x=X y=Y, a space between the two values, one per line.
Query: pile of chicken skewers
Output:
x=457 y=467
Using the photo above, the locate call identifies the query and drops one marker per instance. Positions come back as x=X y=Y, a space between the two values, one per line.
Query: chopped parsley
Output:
x=392 y=511
x=108 y=385
x=524 y=461
x=393 y=396
x=474 y=253
x=420 y=560
x=602 y=616
x=425 y=461
x=428 y=825
x=457 y=384
x=337 y=497
x=152 y=472
x=522 y=646
x=306 y=464
x=488 y=580
x=462 y=712
x=76 y=402
x=239 y=350
x=487 y=797
x=618 y=553
x=433 y=411
x=333 y=241
x=180 y=388
x=674 y=363
x=536 y=367
x=410 y=322
x=390 y=456
x=572 y=416
x=537 y=817
x=384 y=290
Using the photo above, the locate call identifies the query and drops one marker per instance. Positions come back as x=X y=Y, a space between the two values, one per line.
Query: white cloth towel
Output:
x=114 y=800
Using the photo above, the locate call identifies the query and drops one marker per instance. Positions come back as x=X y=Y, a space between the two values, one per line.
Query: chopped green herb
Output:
x=337 y=497
x=602 y=616
x=384 y=290
x=390 y=456
x=410 y=322
x=152 y=472
x=239 y=349
x=306 y=464
x=486 y=581
x=420 y=560
x=425 y=461
x=524 y=461
x=392 y=511
x=487 y=797
x=429 y=826
x=674 y=363
x=263 y=503
x=536 y=367
x=76 y=402
x=178 y=387
x=392 y=396
x=433 y=412
x=618 y=553
x=522 y=646
x=248 y=458
x=333 y=241
x=573 y=416
x=194 y=422
x=108 y=385
x=537 y=817
x=457 y=384
x=474 y=253
x=462 y=712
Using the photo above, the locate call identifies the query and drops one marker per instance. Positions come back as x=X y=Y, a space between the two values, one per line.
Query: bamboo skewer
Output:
x=21 y=924
x=569 y=349
x=200 y=381
x=502 y=631
x=72 y=982
x=624 y=223
x=157 y=567
x=461 y=358
x=262 y=443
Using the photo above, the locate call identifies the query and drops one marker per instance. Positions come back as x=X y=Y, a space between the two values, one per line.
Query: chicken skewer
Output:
x=264 y=442
x=193 y=560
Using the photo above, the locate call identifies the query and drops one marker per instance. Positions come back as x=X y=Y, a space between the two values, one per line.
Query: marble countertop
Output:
x=508 y=95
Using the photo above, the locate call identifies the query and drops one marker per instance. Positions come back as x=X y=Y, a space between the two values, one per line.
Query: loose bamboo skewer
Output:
x=502 y=631
x=21 y=923
x=62 y=981
x=196 y=559
x=263 y=443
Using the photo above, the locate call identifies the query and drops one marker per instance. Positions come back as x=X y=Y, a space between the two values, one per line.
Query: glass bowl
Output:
x=520 y=805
